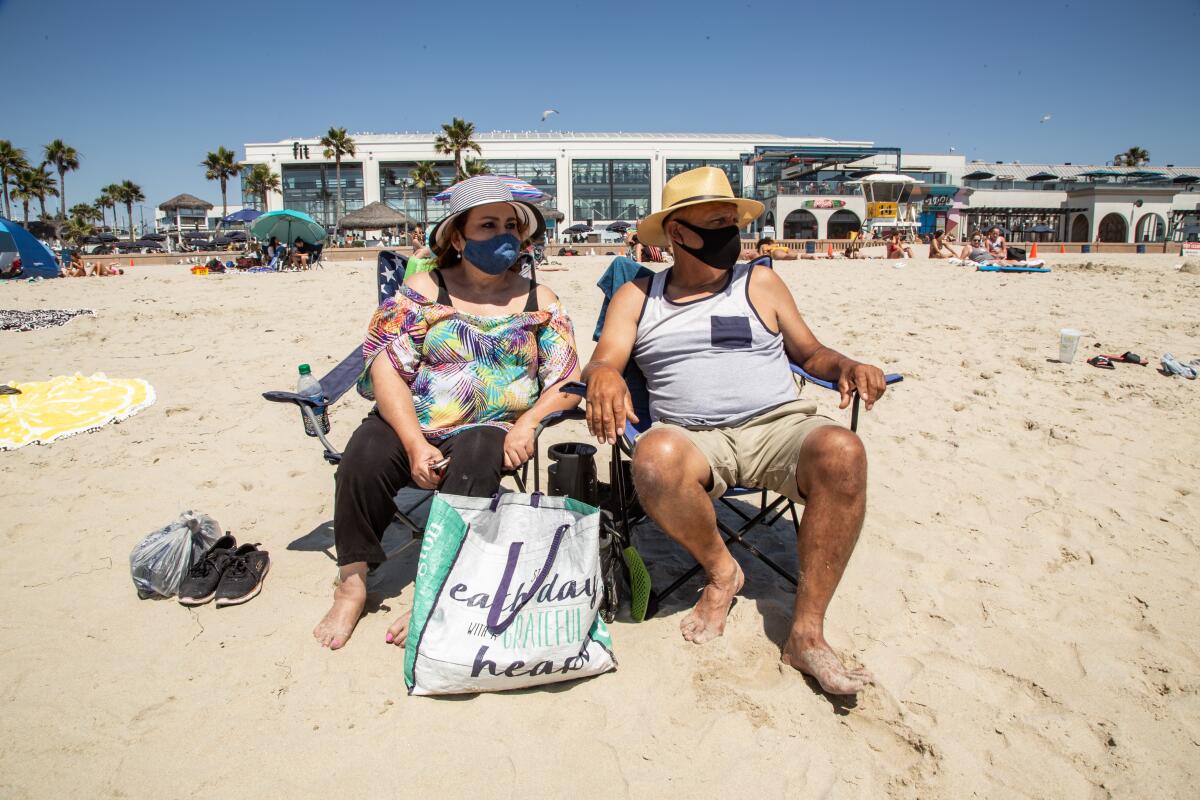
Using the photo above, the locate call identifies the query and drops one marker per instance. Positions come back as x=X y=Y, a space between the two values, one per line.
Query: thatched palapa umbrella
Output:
x=179 y=202
x=373 y=217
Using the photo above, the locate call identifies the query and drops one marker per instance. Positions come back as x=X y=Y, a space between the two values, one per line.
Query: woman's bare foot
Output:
x=349 y=598
x=397 y=634
x=816 y=658
x=707 y=620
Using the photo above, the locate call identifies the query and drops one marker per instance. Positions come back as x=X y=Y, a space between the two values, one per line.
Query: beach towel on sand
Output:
x=13 y=320
x=64 y=406
x=507 y=595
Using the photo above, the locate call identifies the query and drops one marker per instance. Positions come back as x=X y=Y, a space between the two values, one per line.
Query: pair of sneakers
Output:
x=228 y=573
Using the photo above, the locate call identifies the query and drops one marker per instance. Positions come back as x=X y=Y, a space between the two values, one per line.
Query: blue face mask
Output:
x=494 y=255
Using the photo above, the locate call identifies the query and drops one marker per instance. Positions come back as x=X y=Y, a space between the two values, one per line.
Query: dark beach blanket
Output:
x=14 y=320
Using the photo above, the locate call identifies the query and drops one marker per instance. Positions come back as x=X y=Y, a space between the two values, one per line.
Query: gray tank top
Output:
x=710 y=363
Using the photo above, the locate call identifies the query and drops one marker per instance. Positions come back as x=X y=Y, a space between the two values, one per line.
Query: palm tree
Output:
x=65 y=159
x=12 y=161
x=456 y=137
x=221 y=166
x=1133 y=157
x=475 y=166
x=106 y=201
x=42 y=185
x=261 y=180
x=338 y=144
x=77 y=228
x=129 y=193
x=85 y=212
x=425 y=176
x=23 y=183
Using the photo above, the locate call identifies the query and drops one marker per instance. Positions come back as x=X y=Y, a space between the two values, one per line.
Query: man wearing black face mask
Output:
x=714 y=339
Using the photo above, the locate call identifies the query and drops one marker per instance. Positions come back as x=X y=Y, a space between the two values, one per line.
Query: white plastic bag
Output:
x=159 y=562
x=507 y=595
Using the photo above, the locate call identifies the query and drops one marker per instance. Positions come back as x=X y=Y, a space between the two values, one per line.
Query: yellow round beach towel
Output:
x=64 y=406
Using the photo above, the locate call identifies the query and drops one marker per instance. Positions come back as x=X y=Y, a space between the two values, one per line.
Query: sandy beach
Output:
x=1021 y=589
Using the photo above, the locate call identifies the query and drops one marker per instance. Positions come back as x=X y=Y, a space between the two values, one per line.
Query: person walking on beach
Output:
x=687 y=327
x=463 y=364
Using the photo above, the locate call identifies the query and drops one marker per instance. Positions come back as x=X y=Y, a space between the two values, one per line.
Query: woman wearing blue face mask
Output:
x=472 y=354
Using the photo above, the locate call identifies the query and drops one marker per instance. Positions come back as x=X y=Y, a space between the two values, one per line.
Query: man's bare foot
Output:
x=816 y=658
x=707 y=620
x=397 y=634
x=334 y=630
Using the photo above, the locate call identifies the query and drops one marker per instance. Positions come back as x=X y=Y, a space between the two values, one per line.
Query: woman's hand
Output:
x=519 y=444
x=421 y=458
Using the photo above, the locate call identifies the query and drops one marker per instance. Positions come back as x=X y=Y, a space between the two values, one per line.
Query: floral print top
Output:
x=466 y=370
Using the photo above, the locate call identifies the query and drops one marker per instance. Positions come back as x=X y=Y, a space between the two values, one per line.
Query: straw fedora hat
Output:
x=691 y=188
x=479 y=191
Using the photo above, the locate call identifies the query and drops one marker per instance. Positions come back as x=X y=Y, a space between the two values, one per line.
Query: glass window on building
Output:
x=766 y=176
x=732 y=170
x=397 y=190
x=604 y=189
x=313 y=189
x=541 y=173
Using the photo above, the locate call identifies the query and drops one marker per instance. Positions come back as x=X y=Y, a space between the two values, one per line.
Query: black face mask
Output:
x=721 y=246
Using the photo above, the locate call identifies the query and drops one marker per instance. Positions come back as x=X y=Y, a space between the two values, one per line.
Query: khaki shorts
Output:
x=759 y=454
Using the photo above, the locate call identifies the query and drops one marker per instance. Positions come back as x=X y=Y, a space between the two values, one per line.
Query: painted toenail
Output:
x=389 y=638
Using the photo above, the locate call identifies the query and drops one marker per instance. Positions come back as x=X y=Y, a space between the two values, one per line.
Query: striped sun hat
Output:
x=479 y=191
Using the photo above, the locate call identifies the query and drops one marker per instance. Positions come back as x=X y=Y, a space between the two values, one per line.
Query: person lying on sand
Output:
x=686 y=327
x=441 y=422
x=779 y=252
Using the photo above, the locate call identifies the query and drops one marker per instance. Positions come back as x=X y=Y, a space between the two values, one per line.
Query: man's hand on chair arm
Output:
x=866 y=379
x=608 y=402
x=849 y=375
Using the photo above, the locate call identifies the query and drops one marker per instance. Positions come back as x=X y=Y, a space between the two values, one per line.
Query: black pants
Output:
x=374 y=468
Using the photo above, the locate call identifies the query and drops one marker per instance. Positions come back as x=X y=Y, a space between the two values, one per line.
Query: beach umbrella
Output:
x=287 y=226
x=245 y=215
x=155 y=237
x=236 y=236
x=373 y=217
x=1042 y=176
x=521 y=190
x=106 y=237
x=552 y=213
x=620 y=226
x=577 y=228
x=222 y=241
x=195 y=234
x=1042 y=229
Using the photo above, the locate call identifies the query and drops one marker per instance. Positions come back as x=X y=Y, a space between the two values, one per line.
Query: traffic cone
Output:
x=829 y=249
x=1062 y=248
x=1033 y=251
x=131 y=262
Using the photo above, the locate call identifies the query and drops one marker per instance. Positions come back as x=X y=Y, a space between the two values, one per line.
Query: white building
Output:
x=807 y=183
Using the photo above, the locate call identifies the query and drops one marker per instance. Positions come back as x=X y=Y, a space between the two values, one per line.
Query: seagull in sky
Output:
x=546 y=114
x=1046 y=118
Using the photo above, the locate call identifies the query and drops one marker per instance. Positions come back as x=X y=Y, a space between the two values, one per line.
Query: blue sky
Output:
x=143 y=90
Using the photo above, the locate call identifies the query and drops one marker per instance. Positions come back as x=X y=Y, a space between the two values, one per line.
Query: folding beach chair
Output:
x=341 y=378
x=767 y=511
x=314 y=256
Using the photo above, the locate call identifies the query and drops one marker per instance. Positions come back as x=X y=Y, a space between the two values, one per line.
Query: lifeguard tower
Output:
x=887 y=197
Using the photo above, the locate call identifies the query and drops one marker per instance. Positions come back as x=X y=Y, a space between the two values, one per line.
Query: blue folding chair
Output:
x=340 y=379
x=766 y=513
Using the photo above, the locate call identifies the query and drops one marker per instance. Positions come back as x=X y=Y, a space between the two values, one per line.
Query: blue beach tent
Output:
x=36 y=260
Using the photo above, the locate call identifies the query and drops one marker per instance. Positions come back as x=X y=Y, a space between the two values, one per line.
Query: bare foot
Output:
x=397 y=634
x=816 y=658
x=334 y=630
x=707 y=620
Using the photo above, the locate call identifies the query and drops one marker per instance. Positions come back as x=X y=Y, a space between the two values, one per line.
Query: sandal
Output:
x=1103 y=362
x=1130 y=358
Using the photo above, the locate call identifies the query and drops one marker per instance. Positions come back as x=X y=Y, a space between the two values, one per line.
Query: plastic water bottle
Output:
x=311 y=387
